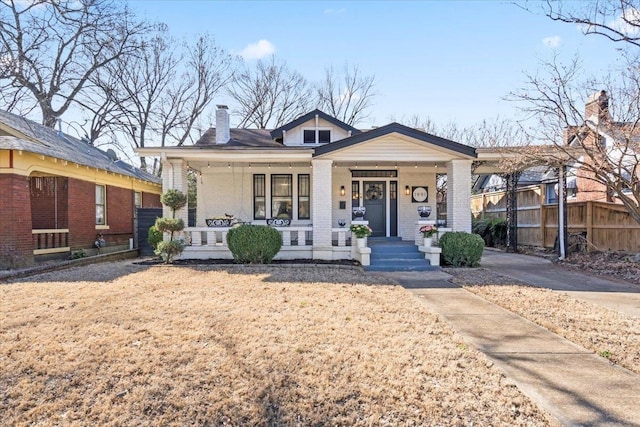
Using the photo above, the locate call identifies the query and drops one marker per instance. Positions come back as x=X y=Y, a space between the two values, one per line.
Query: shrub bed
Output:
x=254 y=244
x=461 y=249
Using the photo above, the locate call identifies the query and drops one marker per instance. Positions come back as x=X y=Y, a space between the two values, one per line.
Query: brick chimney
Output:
x=223 y=133
x=597 y=107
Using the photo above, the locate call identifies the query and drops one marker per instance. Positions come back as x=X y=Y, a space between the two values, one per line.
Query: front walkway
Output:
x=571 y=383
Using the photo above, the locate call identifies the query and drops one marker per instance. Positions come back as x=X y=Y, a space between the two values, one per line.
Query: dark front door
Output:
x=375 y=201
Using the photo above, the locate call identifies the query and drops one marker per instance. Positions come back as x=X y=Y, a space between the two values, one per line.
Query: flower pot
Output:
x=428 y=241
x=361 y=242
x=424 y=211
x=358 y=212
x=279 y=222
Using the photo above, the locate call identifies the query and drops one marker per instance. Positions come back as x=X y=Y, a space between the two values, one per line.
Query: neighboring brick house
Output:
x=599 y=135
x=313 y=172
x=57 y=193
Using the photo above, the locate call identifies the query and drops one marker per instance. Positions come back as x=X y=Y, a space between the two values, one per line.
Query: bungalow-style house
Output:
x=313 y=172
x=59 y=193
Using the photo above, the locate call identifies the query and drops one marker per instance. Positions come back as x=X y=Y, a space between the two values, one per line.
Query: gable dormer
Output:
x=313 y=129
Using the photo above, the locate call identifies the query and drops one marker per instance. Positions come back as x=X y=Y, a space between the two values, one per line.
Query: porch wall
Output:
x=15 y=222
x=408 y=211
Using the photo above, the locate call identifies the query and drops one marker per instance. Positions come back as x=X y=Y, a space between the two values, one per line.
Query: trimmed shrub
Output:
x=174 y=199
x=155 y=237
x=493 y=231
x=167 y=250
x=169 y=225
x=254 y=244
x=461 y=249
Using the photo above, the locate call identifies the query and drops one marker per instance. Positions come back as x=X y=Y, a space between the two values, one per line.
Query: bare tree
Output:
x=158 y=96
x=50 y=48
x=346 y=97
x=617 y=20
x=591 y=126
x=270 y=94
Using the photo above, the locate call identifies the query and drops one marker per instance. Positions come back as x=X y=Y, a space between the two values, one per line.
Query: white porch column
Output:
x=459 y=195
x=174 y=176
x=321 y=209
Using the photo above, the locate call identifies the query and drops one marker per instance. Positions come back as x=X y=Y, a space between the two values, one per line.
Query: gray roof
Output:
x=50 y=142
x=240 y=138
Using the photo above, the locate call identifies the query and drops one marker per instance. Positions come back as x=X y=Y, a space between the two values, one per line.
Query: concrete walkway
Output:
x=574 y=385
x=616 y=295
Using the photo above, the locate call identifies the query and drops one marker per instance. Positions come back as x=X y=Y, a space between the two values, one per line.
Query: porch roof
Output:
x=464 y=150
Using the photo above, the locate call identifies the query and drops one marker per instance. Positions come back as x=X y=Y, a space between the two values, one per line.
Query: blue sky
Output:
x=452 y=61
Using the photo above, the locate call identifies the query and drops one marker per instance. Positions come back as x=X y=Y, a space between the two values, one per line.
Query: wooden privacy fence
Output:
x=607 y=226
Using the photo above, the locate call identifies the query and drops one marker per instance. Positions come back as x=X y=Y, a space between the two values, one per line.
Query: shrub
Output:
x=254 y=244
x=492 y=230
x=155 y=237
x=167 y=250
x=461 y=249
x=175 y=200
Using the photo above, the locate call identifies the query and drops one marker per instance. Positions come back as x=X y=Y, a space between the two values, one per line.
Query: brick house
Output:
x=313 y=172
x=59 y=192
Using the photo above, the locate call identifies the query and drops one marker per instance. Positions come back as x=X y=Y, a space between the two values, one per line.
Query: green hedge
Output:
x=492 y=230
x=254 y=244
x=461 y=249
x=155 y=237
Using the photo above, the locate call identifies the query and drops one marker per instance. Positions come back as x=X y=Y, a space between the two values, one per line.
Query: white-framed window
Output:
x=137 y=199
x=101 y=205
x=323 y=136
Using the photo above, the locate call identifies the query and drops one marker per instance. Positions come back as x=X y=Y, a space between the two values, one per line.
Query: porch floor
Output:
x=394 y=254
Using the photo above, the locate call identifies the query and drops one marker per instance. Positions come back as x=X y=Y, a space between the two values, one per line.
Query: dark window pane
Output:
x=324 y=136
x=309 y=136
x=259 y=206
x=304 y=212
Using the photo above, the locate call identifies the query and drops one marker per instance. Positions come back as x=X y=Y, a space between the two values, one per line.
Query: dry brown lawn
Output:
x=606 y=332
x=122 y=344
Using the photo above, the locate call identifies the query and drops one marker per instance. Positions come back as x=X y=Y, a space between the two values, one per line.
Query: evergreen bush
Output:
x=461 y=249
x=174 y=200
x=254 y=244
x=154 y=237
x=492 y=230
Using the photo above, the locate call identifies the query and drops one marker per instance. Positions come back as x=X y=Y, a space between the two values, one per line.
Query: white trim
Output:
x=51 y=251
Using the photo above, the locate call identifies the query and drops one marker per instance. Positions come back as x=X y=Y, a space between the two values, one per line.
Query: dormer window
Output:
x=324 y=136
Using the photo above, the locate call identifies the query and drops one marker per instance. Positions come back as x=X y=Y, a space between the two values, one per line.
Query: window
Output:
x=355 y=192
x=281 y=196
x=324 y=136
x=304 y=191
x=259 y=197
x=137 y=199
x=100 y=205
x=552 y=194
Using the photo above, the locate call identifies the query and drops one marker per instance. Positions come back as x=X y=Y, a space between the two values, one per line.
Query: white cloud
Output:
x=553 y=41
x=622 y=23
x=258 y=50
x=335 y=11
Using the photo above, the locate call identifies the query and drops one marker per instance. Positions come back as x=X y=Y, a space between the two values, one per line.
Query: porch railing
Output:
x=50 y=241
x=291 y=236
x=217 y=236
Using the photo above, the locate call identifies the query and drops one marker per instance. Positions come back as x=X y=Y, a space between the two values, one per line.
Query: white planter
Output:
x=428 y=241
x=361 y=242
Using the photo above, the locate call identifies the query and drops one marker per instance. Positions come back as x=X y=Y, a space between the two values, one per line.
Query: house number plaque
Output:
x=419 y=194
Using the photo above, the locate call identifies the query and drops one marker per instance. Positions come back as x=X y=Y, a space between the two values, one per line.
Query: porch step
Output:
x=396 y=255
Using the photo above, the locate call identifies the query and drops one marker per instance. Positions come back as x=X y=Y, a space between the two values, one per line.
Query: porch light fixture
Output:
x=249 y=165
x=208 y=165
x=229 y=165
x=415 y=166
x=407 y=190
x=342 y=192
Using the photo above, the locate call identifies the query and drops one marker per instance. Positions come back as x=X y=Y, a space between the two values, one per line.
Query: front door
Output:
x=374 y=198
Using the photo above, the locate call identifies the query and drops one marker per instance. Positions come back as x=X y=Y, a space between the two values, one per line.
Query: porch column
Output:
x=459 y=195
x=174 y=176
x=321 y=209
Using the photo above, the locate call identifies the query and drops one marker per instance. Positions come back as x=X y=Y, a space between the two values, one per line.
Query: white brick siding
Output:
x=322 y=201
x=459 y=195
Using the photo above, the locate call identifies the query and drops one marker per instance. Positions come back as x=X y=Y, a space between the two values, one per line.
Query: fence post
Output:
x=543 y=222
x=589 y=221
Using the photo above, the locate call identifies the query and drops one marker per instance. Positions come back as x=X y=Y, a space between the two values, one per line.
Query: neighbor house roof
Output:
x=35 y=138
x=401 y=129
x=277 y=133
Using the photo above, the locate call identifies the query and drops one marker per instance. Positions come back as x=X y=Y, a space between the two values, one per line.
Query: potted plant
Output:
x=361 y=231
x=428 y=231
